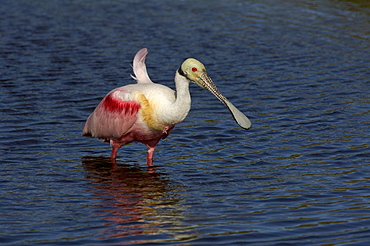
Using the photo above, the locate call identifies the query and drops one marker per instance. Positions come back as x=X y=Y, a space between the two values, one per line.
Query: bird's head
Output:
x=193 y=70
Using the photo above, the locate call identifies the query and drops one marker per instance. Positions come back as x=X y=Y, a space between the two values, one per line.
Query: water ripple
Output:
x=299 y=176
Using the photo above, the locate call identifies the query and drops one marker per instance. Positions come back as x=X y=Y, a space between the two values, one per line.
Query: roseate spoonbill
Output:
x=147 y=112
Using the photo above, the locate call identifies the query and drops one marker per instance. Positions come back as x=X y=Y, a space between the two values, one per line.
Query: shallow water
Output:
x=300 y=175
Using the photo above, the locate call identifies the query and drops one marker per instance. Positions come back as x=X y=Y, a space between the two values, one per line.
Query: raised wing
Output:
x=113 y=117
x=139 y=67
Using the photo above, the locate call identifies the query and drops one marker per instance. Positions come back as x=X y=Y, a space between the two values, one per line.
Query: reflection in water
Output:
x=133 y=200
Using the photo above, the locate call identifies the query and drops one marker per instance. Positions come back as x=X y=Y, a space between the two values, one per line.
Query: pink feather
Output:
x=116 y=119
x=113 y=117
x=139 y=67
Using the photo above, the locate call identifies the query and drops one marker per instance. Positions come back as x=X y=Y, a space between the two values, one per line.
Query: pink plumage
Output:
x=118 y=118
x=117 y=105
x=112 y=118
x=139 y=67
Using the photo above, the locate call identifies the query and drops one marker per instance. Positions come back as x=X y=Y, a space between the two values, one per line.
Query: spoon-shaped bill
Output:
x=239 y=117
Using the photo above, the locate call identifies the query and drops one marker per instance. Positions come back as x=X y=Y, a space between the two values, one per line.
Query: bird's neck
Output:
x=183 y=98
x=180 y=108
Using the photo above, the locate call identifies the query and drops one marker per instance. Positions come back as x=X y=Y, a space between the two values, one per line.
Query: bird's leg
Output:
x=151 y=147
x=113 y=155
x=149 y=160
x=115 y=148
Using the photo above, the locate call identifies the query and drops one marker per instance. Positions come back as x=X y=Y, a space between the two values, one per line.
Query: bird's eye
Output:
x=194 y=69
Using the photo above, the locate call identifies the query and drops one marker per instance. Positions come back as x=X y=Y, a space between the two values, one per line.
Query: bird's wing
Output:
x=139 y=67
x=114 y=116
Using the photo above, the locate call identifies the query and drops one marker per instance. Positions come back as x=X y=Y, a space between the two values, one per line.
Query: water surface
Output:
x=299 y=176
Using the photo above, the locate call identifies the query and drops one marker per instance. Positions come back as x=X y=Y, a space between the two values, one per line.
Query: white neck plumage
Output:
x=178 y=110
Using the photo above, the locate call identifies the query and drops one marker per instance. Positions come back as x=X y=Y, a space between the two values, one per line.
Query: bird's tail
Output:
x=139 y=67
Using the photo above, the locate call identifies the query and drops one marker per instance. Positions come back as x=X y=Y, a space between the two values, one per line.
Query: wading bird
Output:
x=147 y=112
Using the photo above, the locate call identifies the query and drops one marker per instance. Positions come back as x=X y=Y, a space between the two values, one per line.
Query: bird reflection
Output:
x=131 y=200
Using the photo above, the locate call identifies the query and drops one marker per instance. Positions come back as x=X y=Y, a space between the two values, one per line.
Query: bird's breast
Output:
x=149 y=112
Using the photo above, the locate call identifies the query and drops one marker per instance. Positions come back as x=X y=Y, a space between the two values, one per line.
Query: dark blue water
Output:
x=299 y=70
